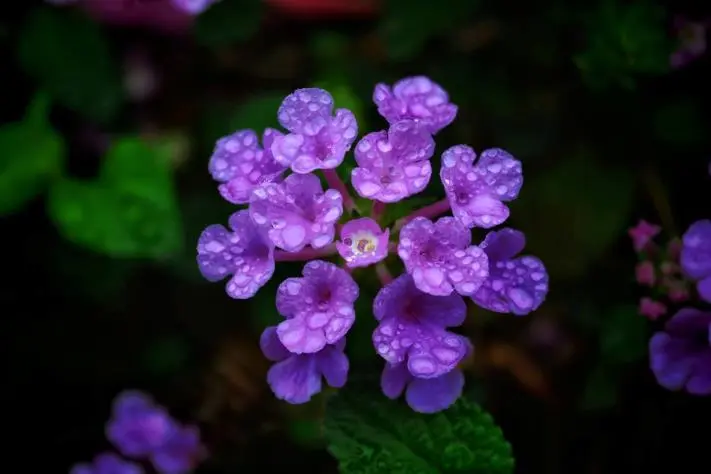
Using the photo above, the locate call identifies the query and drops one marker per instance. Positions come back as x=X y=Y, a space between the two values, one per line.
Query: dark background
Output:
x=78 y=326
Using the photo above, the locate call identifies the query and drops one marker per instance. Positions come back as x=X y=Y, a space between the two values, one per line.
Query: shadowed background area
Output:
x=604 y=102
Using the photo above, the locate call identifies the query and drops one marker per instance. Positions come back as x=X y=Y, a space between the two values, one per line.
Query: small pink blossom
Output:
x=691 y=37
x=642 y=234
x=677 y=290
x=651 y=309
x=645 y=274
x=674 y=249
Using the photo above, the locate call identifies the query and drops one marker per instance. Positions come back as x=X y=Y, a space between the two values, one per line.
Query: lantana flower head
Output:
x=107 y=463
x=291 y=216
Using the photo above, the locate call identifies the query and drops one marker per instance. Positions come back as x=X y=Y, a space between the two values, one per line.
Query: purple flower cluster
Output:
x=290 y=216
x=680 y=355
x=141 y=430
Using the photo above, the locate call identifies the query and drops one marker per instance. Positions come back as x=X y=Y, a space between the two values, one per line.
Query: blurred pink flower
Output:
x=644 y=272
x=642 y=234
x=162 y=15
x=692 y=41
x=651 y=309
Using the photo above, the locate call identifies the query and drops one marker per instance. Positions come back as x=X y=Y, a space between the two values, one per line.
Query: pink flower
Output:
x=651 y=309
x=161 y=15
x=642 y=234
x=645 y=274
x=691 y=36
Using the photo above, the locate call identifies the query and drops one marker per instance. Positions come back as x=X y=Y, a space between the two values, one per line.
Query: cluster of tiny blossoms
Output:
x=291 y=217
x=141 y=430
x=680 y=354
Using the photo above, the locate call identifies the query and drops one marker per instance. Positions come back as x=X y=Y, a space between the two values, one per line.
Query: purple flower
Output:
x=696 y=256
x=297 y=212
x=415 y=98
x=138 y=427
x=363 y=243
x=295 y=378
x=413 y=328
x=318 y=307
x=194 y=7
x=440 y=257
x=107 y=463
x=515 y=285
x=318 y=139
x=245 y=253
x=180 y=453
x=395 y=164
x=477 y=192
x=422 y=395
x=680 y=356
x=241 y=164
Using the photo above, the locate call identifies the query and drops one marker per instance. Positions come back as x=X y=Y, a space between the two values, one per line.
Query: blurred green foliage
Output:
x=624 y=40
x=31 y=155
x=228 y=22
x=69 y=56
x=367 y=433
x=129 y=211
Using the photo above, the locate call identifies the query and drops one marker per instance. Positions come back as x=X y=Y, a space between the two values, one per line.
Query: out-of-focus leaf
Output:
x=624 y=40
x=600 y=392
x=307 y=433
x=130 y=211
x=367 y=433
x=67 y=54
x=328 y=46
x=256 y=113
x=228 y=21
x=166 y=356
x=31 y=154
x=573 y=212
x=409 y=24
x=624 y=336
x=680 y=123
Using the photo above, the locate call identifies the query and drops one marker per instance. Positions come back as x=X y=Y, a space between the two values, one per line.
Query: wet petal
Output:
x=271 y=346
x=477 y=192
x=243 y=253
x=435 y=394
x=394 y=379
x=319 y=307
x=296 y=212
x=503 y=244
x=241 y=165
x=696 y=250
x=296 y=379
x=439 y=258
x=363 y=243
x=516 y=286
x=333 y=365
x=415 y=98
x=306 y=111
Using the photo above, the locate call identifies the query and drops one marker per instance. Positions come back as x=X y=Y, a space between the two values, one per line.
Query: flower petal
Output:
x=333 y=365
x=696 y=250
x=296 y=379
x=435 y=394
x=271 y=346
x=306 y=111
x=516 y=286
x=394 y=379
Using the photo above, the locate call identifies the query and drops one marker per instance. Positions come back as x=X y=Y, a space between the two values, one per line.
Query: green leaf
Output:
x=408 y=25
x=257 y=113
x=623 y=336
x=680 y=123
x=228 y=22
x=573 y=213
x=31 y=155
x=68 y=55
x=367 y=433
x=130 y=211
x=307 y=433
x=624 y=40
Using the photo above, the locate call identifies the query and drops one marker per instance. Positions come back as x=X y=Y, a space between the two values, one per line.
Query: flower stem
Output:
x=433 y=210
x=306 y=254
x=335 y=182
x=383 y=274
x=377 y=211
